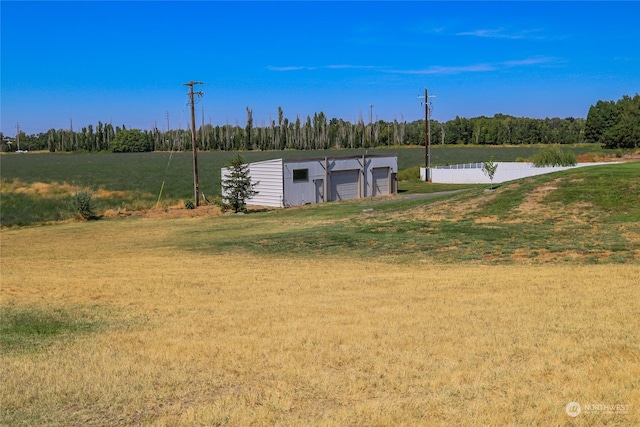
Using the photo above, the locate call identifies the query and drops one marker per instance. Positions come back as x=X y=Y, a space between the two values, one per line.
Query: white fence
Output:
x=471 y=173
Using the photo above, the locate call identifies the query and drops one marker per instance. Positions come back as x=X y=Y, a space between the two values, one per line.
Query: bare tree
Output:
x=249 y=128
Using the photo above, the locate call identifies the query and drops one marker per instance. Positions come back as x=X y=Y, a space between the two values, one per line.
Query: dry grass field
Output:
x=177 y=337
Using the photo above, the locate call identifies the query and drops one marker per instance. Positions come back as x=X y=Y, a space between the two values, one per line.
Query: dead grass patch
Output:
x=521 y=254
x=535 y=208
x=38 y=188
x=169 y=212
x=108 y=194
x=546 y=256
x=599 y=157
x=54 y=189
x=487 y=219
x=533 y=203
x=632 y=236
x=466 y=207
x=250 y=340
x=452 y=209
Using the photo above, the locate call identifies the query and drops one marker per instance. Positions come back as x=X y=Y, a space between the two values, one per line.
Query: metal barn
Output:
x=293 y=182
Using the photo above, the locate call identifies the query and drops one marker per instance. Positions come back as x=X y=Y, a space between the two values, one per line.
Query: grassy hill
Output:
x=585 y=215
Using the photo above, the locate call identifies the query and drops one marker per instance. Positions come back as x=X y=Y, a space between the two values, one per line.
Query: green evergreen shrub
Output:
x=237 y=186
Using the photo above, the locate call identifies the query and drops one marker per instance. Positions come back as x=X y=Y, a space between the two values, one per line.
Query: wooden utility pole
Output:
x=196 y=188
x=371 y=125
x=427 y=137
x=427 y=144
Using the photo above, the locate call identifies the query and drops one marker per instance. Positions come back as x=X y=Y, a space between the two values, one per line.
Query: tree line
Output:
x=613 y=124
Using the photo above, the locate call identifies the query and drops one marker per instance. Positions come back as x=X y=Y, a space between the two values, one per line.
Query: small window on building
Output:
x=300 y=175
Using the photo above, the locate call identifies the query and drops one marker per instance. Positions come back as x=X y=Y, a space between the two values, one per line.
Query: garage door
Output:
x=344 y=185
x=380 y=181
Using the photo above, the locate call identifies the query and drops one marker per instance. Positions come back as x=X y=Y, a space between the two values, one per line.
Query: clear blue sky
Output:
x=125 y=62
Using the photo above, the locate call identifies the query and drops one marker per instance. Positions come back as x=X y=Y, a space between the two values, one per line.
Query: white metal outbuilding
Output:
x=293 y=182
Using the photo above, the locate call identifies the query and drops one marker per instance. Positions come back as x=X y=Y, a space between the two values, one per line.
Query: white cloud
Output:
x=435 y=69
x=347 y=66
x=287 y=68
x=528 y=61
x=474 y=68
x=328 y=67
x=501 y=33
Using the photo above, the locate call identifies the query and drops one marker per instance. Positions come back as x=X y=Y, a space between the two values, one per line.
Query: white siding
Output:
x=268 y=175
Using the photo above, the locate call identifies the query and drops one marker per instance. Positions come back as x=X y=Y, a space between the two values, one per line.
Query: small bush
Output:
x=83 y=205
x=219 y=202
x=188 y=204
x=554 y=156
x=410 y=174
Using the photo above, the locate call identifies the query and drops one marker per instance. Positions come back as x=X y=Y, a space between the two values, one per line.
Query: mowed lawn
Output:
x=121 y=322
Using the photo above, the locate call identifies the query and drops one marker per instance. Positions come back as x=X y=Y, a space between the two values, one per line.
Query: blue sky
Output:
x=126 y=62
